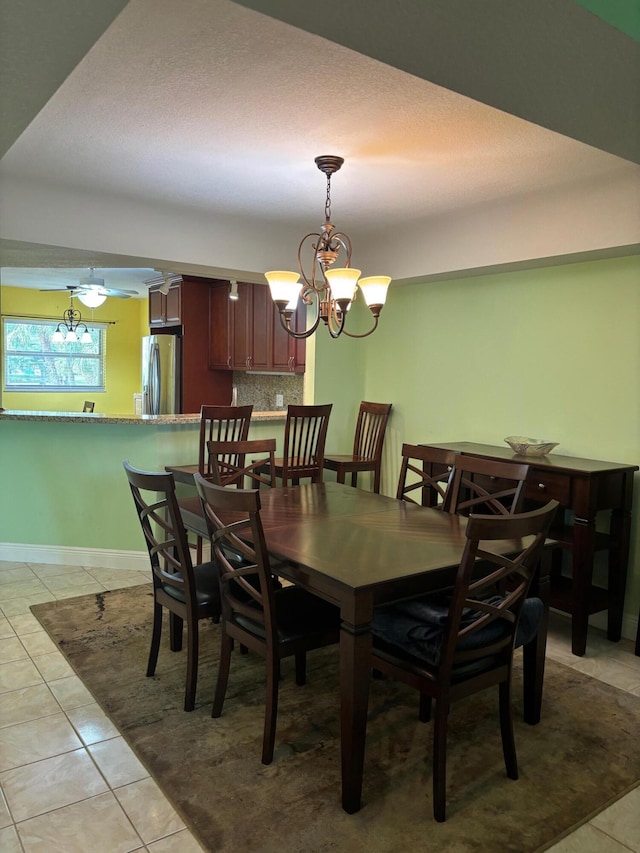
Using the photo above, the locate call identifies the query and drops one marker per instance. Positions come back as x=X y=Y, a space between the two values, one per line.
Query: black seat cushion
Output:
x=207 y=585
x=298 y=614
x=417 y=627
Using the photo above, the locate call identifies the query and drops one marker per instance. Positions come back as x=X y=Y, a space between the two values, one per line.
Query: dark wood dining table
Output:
x=359 y=550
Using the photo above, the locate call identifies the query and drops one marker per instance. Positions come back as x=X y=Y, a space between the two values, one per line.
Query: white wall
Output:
x=577 y=219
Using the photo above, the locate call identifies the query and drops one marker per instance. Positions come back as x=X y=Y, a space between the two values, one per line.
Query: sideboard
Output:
x=584 y=487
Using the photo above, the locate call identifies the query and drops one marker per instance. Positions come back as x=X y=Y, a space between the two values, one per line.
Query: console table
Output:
x=584 y=487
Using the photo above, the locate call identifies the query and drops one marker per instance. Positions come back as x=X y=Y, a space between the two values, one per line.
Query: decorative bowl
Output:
x=524 y=446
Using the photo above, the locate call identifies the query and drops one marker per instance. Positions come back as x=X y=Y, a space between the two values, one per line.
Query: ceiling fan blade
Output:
x=120 y=294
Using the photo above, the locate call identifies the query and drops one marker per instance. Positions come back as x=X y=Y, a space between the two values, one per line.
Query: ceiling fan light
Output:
x=284 y=285
x=92 y=298
x=374 y=289
x=343 y=283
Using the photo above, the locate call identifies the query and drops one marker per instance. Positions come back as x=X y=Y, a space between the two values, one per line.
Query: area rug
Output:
x=584 y=754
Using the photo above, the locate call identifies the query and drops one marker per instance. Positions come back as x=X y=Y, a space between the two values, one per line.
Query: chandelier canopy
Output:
x=333 y=290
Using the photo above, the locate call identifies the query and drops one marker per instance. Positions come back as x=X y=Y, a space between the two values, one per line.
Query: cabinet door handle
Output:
x=542 y=487
x=228 y=361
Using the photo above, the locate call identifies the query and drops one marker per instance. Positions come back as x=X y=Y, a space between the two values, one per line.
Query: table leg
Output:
x=355 y=674
x=533 y=653
x=582 y=568
x=620 y=531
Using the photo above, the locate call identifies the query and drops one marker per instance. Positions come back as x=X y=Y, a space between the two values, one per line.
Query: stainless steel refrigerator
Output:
x=161 y=375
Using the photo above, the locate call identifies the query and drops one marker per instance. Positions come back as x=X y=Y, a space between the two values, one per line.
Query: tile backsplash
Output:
x=262 y=389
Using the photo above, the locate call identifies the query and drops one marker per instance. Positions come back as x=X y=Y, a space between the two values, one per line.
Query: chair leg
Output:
x=376 y=479
x=192 y=667
x=506 y=730
x=271 y=710
x=226 y=647
x=354 y=479
x=301 y=668
x=440 y=761
x=155 y=639
x=175 y=632
x=424 y=712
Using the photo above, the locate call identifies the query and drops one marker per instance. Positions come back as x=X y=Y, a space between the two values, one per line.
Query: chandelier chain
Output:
x=327 y=204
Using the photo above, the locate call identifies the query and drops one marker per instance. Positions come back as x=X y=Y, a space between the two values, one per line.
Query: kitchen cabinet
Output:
x=184 y=311
x=288 y=353
x=165 y=309
x=245 y=334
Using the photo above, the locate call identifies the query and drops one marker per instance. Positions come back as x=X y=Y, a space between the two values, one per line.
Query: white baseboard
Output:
x=94 y=558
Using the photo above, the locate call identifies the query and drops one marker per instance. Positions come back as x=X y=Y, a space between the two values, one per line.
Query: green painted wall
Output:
x=122 y=380
x=68 y=487
x=552 y=353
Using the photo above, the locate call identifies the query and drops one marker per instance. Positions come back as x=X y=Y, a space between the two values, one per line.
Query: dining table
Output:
x=361 y=550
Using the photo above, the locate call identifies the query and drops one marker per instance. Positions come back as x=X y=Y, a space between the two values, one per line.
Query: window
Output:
x=33 y=362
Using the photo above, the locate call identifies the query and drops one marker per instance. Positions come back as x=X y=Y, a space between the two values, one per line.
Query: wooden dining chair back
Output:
x=367 y=446
x=305 y=434
x=486 y=485
x=275 y=623
x=189 y=593
x=232 y=463
x=217 y=423
x=467 y=643
x=221 y=423
x=425 y=475
x=88 y=406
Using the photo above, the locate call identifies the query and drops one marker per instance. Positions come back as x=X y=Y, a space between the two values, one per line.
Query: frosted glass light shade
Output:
x=92 y=298
x=71 y=337
x=374 y=289
x=57 y=337
x=284 y=285
x=86 y=338
x=343 y=282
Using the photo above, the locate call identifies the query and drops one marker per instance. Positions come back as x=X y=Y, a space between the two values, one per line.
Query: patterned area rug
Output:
x=584 y=754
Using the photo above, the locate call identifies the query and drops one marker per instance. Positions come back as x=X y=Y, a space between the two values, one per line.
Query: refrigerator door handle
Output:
x=154 y=380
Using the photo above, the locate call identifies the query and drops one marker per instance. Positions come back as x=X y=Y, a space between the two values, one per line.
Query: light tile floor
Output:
x=66 y=772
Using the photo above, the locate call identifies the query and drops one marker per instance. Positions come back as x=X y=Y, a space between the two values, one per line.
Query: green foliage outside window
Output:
x=33 y=362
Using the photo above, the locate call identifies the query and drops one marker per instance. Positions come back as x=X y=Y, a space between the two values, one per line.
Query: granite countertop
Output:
x=98 y=417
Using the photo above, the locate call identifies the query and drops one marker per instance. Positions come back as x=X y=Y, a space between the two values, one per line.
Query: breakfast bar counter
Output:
x=65 y=497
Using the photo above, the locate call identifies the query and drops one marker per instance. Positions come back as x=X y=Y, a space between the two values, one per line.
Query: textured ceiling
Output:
x=209 y=105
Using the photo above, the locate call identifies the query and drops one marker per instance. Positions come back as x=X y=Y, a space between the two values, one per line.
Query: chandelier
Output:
x=333 y=290
x=71 y=326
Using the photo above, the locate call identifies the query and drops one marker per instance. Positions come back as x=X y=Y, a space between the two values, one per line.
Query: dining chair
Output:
x=228 y=463
x=428 y=469
x=190 y=593
x=465 y=644
x=89 y=406
x=274 y=623
x=220 y=423
x=367 y=446
x=485 y=485
x=217 y=423
x=305 y=434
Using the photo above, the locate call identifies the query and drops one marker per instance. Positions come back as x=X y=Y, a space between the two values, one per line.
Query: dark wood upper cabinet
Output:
x=245 y=334
x=165 y=308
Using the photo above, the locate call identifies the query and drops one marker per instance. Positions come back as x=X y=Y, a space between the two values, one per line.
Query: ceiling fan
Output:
x=91 y=290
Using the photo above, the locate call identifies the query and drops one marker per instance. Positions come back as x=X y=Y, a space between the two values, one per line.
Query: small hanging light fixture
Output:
x=333 y=289
x=71 y=326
